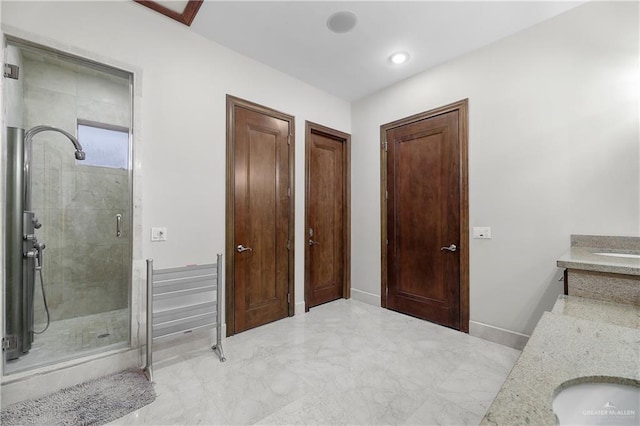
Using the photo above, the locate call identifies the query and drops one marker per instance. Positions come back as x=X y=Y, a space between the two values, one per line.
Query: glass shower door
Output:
x=76 y=281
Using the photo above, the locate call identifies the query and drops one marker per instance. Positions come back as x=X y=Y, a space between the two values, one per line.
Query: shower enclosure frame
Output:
x=10 y=261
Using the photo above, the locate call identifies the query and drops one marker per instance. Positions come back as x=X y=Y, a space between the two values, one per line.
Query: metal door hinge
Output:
x=386 y=195
x=288 y=244
x=289 y=192
x=11 y=71
x=385 y=146
x=288 y=139
x=9 y=342
x=288 y=297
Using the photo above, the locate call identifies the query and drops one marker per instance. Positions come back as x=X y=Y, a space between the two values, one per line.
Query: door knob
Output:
x=312 y=242
x=452 y=247
x=242 y=248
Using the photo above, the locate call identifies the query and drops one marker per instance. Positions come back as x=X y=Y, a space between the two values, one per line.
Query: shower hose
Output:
x=44 y=299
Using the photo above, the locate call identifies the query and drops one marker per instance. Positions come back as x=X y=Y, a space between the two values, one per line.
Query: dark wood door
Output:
x=423 y=218
x=261 y=218
x=325 y=221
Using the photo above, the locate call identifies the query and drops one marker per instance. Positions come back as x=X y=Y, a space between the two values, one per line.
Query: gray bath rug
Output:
x=95 y=402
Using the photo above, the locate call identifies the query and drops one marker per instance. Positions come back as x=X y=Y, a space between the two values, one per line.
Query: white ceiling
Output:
x=292 y=36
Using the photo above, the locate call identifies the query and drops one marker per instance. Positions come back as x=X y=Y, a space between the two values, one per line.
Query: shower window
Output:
x=105 y=145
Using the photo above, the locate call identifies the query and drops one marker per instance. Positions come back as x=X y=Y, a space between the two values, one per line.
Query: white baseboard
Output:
x=298 y=308
x=499 y=335
x=365 y=297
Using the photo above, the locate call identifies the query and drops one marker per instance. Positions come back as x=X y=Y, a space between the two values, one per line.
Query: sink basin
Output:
x=598 y=404
x=625 y=255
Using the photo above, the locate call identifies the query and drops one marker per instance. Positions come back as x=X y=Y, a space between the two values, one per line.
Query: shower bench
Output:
x=181 y=300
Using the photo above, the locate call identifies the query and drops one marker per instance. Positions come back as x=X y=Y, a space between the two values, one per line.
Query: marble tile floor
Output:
x=74 y=337
x=344 y=362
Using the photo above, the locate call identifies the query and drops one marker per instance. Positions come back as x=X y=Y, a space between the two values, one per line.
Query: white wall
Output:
x=554 y=150
x=184 y=83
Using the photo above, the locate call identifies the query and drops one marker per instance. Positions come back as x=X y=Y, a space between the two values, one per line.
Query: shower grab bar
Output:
x=171 y=309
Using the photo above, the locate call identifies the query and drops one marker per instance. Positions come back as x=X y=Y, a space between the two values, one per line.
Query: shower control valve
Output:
x=36 y=253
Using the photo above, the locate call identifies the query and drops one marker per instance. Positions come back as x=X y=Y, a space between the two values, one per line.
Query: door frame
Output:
x=462 y=107
x=233 y=102
x=310 y=129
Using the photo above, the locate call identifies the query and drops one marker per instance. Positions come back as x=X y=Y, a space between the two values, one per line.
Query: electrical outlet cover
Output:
x=482 y=232
x=158 y=234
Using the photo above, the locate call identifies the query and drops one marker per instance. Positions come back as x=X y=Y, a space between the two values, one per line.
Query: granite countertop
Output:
x=583 y=254
x=598 y=310
x=585 y=258
x=565 y=346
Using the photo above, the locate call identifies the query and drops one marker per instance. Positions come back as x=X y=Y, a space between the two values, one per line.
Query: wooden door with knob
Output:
x=259 y=215
x=425 y=237
x=327 y=215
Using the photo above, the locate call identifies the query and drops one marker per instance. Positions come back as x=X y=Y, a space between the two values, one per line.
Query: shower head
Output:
x=80 y=155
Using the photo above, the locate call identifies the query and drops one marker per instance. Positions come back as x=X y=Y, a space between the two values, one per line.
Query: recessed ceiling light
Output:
x=399 y=58
x=342 y=22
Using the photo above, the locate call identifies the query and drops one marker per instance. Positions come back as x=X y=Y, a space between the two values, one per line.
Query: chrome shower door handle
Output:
x=118 y=225
x=242 y=248
x=452 y=247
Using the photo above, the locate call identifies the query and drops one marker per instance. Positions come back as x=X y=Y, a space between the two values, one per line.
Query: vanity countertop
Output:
x=589 y=253
x=587 y=259
x=566 y=346
x=598 y=310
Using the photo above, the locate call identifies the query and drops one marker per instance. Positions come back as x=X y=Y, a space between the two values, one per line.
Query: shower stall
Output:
x=68 y=207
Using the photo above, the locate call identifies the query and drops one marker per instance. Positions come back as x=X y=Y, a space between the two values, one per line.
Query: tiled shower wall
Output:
x=86 y=267
x=14 y=91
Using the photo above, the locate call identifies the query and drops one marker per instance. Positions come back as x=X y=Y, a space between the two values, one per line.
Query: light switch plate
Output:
x=483 y=232
x=158 y=234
